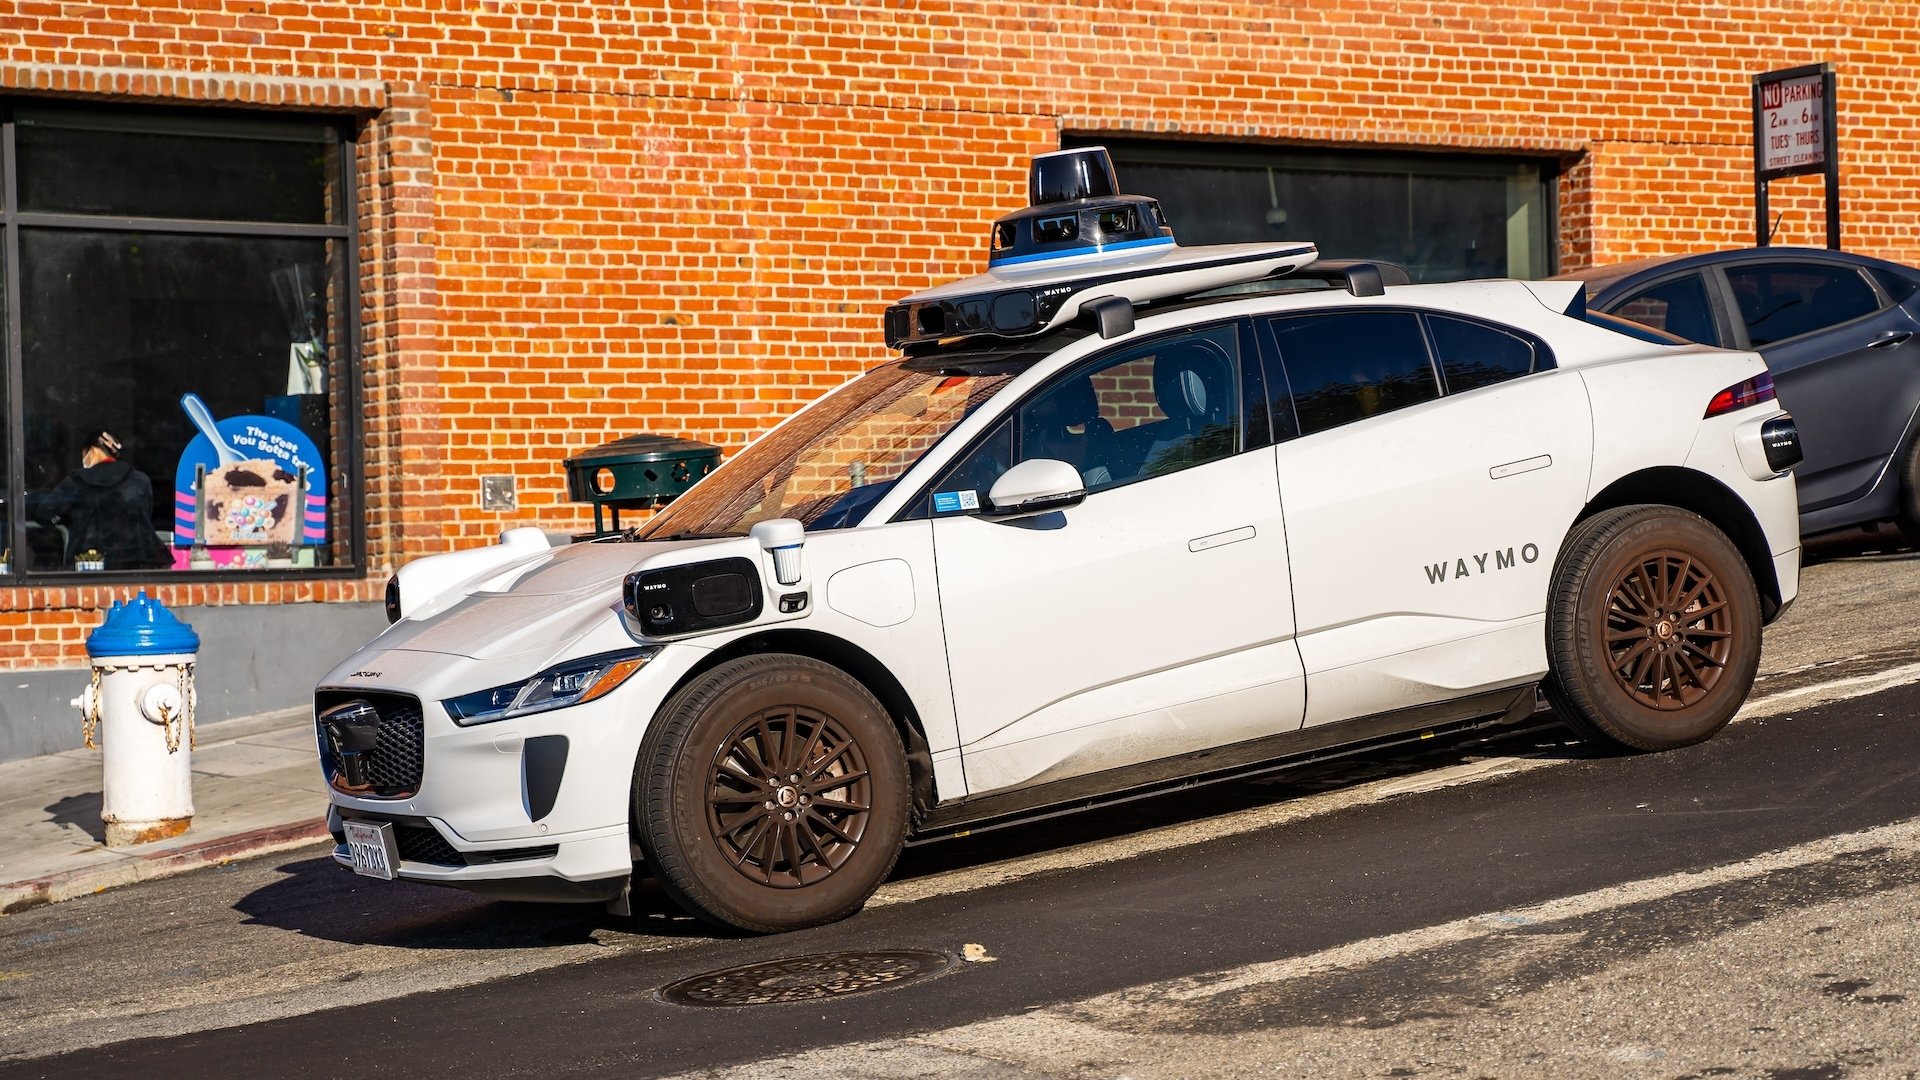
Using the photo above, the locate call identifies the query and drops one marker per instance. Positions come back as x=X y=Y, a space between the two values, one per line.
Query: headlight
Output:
x=393 y=599
x=571 y=683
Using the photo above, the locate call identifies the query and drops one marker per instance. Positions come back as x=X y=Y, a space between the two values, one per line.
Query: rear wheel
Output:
x=1653 y=629
x=1907 y=516
x=771 y=794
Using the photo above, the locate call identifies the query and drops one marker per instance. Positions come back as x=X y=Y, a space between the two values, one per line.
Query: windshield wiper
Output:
x=692 y=536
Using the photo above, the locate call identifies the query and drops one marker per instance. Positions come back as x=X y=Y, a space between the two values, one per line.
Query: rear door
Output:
x=1845 y=360
x=1422 y=529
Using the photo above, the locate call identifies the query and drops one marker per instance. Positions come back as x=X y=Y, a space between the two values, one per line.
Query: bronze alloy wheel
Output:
x=789 y=797
x=1653 y=629
x=1668 y=630
x=771 y=793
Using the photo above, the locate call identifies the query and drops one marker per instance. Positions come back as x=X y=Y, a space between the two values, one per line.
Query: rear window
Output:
x=1898 y=286
x=1677 y=306
x=1784 y=300
x=1635 y=330
x=1472 y=355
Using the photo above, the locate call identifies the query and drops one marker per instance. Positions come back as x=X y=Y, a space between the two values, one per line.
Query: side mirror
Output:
x=1036 y=486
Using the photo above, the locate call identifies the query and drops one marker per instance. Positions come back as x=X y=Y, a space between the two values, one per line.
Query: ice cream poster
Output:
x=248 y=481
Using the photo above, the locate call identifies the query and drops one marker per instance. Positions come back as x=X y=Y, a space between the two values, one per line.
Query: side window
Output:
x=1473 y=354
x=1898 y=286
x=1678 y=306
x=1349 y=365
x=1156 y=408
x=1782 y=300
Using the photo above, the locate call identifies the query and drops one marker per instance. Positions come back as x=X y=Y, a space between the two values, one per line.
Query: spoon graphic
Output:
x=202 y=419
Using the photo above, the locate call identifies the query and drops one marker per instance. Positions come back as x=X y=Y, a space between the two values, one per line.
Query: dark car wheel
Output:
x=1653 y=629
x=771 y=794
x=1908 y=514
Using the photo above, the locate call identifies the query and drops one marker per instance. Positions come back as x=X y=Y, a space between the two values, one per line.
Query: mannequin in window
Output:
x=106 y=506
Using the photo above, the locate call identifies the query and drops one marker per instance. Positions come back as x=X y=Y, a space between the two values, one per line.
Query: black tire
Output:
x=726 y=829
x=1653 y=629
x=1907 y=514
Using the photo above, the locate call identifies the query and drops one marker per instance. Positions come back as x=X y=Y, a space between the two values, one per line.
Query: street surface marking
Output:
x=1855 y=685
x=1899 y=836
x=1094 y=1033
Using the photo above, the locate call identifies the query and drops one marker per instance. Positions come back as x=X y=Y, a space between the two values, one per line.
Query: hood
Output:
x=542 y=611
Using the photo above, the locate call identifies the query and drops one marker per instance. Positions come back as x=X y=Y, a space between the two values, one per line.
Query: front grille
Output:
x=423 y=843
x=396 y=763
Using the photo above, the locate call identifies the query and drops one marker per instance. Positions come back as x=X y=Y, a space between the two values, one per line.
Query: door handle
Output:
x=1888 y=339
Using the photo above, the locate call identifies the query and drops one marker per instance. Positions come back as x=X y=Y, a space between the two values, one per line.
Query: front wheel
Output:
x=771 y=794
x=1653 y=629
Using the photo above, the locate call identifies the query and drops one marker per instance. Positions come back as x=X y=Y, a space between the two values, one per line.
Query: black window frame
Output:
x=347 y=473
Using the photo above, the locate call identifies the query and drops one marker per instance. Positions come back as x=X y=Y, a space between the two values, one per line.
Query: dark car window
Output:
x=1782 y=300
x=1637 y=331
x=1167 y=405
x=1472 y=354
x=1677 y=305
x=1898 y=286
x=1347 y=366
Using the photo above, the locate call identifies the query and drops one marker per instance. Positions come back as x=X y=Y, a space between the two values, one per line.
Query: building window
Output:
x=185 y=284
x=1444 y=216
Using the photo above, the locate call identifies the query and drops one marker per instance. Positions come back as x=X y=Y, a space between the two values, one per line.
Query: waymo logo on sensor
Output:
x=1502 y=560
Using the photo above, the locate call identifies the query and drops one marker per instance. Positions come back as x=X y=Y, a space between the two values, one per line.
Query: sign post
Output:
x=1794 y=134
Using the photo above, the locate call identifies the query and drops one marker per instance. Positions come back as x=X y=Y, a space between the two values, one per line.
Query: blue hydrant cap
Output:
x=141 y=625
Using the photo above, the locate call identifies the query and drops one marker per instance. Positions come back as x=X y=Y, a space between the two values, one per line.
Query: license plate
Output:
x=372 y=850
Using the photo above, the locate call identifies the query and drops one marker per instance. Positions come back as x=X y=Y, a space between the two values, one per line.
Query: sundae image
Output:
x=251 y=502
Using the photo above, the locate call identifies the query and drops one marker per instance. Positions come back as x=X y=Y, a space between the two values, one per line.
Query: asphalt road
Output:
x=1502 y=908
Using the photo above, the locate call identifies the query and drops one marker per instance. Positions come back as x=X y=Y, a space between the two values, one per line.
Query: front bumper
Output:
x=542 y=800
x=583 y=868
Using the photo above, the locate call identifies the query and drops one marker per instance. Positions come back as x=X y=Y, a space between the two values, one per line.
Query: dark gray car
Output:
x=1839 y=333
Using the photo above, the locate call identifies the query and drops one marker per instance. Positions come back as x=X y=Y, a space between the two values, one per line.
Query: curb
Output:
x=18 y=896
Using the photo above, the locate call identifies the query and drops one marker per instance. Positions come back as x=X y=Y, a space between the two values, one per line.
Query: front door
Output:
x=1149 y=621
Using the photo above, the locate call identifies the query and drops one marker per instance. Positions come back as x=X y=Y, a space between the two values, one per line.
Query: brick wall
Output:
x=587 y=220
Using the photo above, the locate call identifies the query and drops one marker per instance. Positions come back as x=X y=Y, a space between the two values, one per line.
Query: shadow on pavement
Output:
x=318 y=898
x=1867 y=543
x=82 y=812
x=1543 y=737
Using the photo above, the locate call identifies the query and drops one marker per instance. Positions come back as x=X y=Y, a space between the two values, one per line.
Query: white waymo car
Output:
x=1122 y=516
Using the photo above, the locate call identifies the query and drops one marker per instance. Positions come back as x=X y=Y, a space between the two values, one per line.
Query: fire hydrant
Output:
x=141 y=705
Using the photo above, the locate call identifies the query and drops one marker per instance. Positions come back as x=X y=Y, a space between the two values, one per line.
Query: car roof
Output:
x=1599 y=279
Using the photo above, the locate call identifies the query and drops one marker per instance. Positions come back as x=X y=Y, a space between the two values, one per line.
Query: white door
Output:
x=1423 y=529
x=1149 y=621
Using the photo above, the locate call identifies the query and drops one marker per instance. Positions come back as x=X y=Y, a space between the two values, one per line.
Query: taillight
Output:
x=1740 y=395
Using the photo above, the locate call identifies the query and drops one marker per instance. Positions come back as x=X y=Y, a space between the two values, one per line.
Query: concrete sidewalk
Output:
x=256 y=789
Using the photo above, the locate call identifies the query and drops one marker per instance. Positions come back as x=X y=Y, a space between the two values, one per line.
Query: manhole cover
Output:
x=803 y=978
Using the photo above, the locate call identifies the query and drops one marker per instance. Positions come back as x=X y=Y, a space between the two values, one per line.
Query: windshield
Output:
x=834 y=462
